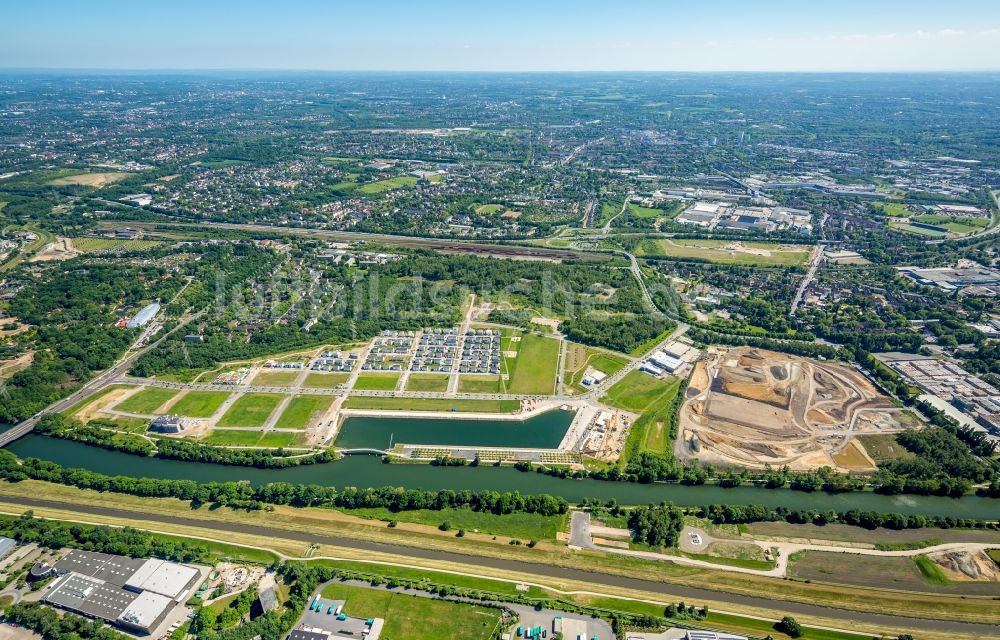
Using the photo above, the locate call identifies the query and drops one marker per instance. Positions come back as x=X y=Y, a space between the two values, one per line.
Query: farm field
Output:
x=96 y=179
x=432 y=404
x=536 y=365
x=325 y=380
x=146 y=401
x=301 y=410
x=200 y=404
x=637 y=391
x=426 y=382
x=416 y=618
x=275 y=378
x=250 y=410
x=727 y=252
x=377 y=381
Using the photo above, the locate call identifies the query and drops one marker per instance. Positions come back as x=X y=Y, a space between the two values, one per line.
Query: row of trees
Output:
x=743 y=514
x=125 y=541
x=101 y=433
x=244 y=495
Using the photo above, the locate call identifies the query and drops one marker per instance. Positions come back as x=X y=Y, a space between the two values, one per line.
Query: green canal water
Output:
x=369 y=471
x=543 y=431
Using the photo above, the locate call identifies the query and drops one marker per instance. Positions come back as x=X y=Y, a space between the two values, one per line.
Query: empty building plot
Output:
x=752 y=408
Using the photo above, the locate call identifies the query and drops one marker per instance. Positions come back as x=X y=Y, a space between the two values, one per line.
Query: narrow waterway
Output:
x=369 y=471
x=544 y=431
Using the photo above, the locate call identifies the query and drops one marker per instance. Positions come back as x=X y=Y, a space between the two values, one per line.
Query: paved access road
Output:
x=528 y=569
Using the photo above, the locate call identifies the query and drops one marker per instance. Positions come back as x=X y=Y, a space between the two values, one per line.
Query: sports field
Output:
x=416 y=618
x=146 y=401
x=199 y=404
x=486 y=209
x=302 y=410
x=536 y=365
x=727 y=251
x=251 y=410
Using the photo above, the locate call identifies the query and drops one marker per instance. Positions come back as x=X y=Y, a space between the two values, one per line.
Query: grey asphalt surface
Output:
x=529 y=570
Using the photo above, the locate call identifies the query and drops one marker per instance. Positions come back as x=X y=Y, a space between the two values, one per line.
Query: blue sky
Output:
x=512 y=35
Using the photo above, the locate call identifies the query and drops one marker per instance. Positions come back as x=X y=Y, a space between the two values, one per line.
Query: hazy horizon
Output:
x=716 y=36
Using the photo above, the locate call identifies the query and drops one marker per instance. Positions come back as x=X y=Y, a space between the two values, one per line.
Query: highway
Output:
x=109 y=376
x=523 y=567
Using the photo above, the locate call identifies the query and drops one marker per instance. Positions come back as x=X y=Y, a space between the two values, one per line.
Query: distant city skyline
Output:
x=448 y=35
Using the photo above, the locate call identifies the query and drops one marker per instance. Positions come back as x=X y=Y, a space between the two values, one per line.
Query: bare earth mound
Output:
x=750 y=407
x=965 y=566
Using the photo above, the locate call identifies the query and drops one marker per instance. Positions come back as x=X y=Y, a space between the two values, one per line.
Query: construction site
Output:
x=748 y=407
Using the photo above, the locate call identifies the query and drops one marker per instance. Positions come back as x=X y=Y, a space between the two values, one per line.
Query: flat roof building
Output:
x=133 y=593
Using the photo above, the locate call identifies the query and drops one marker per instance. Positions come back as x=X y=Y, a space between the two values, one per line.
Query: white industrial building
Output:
x=133 y=593
x=142 y=318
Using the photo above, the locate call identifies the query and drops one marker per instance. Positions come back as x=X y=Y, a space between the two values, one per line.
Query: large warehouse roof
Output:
x=145 y=611
x=165 y=578
x=145 y=315
x=131 y=592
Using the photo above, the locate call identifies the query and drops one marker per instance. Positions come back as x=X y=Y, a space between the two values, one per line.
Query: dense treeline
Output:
x=620 y=333
x=744 y=514
x=51 y=625
x=245 y=496
x=656 y=525
x=260 y=458
x=125 y=541
x=74 y=309
x=797 y=347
